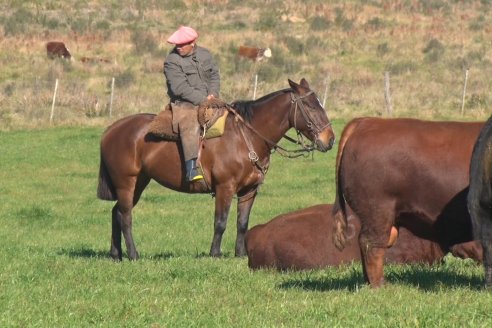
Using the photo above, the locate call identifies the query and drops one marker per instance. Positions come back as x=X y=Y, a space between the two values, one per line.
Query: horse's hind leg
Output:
x=115 y=252
x=244 y=205
x=122 y=223
x=122 y=220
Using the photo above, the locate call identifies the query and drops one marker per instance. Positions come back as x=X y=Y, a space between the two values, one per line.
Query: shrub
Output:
x=342 y=21
x=382 y=49
x=295 y=46
x=401 y=67
x=267 y=21
x=80 y=24
x=433 y=51
x=320 y=23
x=477 y=24
x=477 y=101
x=18 y=22
x=124 y=79
x=144 y=42
x=375 y=23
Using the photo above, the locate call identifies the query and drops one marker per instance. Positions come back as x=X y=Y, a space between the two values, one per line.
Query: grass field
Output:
x=55 y=270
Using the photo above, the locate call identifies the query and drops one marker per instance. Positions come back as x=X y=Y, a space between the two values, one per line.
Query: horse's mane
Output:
x=245 y=107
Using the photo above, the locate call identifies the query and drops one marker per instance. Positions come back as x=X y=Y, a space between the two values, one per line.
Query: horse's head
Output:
x=309 y=117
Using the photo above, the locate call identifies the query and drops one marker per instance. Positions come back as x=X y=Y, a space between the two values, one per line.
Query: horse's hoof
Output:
x=116 y=258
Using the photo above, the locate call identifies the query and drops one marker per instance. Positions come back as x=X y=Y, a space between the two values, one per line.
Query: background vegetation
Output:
x=55 y=270
x=426 y=45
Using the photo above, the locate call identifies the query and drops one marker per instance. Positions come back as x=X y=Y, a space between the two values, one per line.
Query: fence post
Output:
x=254 y=90
x=111 y=99
x=464 y=93
x=327 y=83
x=387 y=95
x=53 y=103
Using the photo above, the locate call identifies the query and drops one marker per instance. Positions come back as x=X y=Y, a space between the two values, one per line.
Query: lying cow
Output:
x=303 y=239
x=403 y=172
x=480 y=195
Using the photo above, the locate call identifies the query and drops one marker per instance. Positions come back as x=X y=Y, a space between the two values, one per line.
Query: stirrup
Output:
x=196 y=178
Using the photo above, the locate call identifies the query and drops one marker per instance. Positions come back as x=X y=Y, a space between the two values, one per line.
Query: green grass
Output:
x=55 y=270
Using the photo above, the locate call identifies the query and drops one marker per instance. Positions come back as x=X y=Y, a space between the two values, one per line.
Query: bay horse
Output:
x=233 y=164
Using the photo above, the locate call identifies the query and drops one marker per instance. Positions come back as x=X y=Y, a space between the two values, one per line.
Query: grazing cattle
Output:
x=253 y=53
x=57 y=49
x=480 y=196
x=302 y=240
x=404 y=173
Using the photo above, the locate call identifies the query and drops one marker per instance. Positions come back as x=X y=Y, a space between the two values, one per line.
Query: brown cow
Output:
x=253 y=53
x=57 y=49
x=403 y=172
x=302 y=240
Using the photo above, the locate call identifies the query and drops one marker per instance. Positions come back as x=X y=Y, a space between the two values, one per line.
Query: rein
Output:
x=304 y=151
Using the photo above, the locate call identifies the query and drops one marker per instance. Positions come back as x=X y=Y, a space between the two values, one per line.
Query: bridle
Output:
x=313 y=128
x=296 y=103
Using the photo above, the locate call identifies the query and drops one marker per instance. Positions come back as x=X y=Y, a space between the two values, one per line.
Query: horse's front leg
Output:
x=244 y=206
x=223 y=199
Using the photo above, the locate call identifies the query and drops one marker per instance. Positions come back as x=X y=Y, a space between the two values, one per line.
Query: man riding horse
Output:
x=192 y=76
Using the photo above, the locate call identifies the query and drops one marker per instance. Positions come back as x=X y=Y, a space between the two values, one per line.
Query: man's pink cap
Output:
x=183 y=35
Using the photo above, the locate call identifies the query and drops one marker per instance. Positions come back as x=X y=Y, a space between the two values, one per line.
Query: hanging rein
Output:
x=297 y=104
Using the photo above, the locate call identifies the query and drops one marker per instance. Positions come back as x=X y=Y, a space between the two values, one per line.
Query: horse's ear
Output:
x=293 y=85
x=304 y=83
x=299 y=88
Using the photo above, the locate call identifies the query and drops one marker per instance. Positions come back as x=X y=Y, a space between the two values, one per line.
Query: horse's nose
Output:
x=325 y=146
x=331 y=142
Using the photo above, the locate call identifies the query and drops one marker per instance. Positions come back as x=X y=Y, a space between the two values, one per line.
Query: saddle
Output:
x=211 y=116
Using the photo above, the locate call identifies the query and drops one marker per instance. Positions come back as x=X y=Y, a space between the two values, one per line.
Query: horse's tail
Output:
x=105 y=187
x=339 y=210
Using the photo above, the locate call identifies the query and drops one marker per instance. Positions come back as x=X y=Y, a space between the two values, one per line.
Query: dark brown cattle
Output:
x=480 y=196
x=303 y=239
x=57 y=49
x=403 y=172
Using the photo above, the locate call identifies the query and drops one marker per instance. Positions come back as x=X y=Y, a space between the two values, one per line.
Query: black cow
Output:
x=480 y=196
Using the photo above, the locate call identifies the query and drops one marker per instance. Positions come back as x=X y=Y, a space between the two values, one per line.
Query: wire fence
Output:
x=51 y=101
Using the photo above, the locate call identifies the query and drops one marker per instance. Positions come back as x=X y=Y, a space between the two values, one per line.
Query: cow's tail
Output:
x=339 y=210
x=105 y=187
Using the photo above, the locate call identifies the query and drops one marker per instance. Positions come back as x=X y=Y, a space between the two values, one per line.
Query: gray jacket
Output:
x=191 y=78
